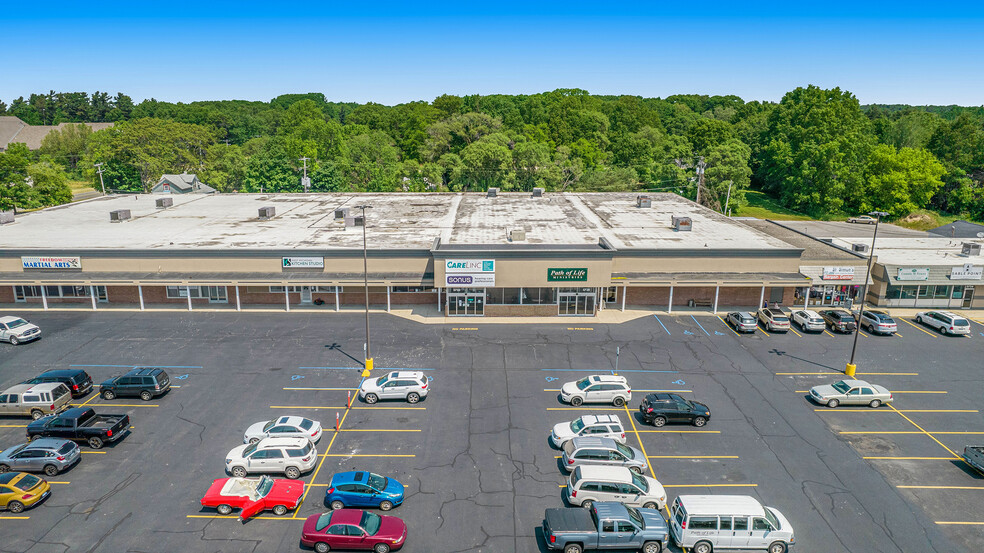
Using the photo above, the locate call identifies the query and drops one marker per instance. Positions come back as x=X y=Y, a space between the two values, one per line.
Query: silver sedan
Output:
x=850 y=392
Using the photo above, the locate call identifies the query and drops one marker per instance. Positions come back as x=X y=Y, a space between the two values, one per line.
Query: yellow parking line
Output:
x=794 y=332
x=924 y=431
x=378 y=430
x=325 y=389
x=583 y=408
x=710 y=485
x=904 y=432
x=758 y=328
x=94 y=396
x=642 y=446
x=954 y=522
x=727 y=325
x=13 y=426
x=829 y=410
x=917 y=328
x=980 y=488
x=95 y=452
x=638 y=390
x=914 y=458
x=693 y=457
x=343 y=407
x=233 y=517
x=125 y=405
x=50 y=482
x=897 y=391
x=828 y=333
x=680 y=431
x=840 y=373
x=362 y=455
x=320 y=463
x=13 y=518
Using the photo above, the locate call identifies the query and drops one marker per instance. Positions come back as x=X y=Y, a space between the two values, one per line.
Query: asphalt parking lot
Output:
x=474 y=455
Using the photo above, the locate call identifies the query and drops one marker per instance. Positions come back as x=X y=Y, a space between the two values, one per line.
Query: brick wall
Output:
x=728 y=296
x=520 y=310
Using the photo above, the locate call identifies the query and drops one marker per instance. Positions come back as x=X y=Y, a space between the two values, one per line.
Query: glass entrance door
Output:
x=217 y=294
x=466 y=301
x=306 y=295
x=577 y=301
x=968 y=298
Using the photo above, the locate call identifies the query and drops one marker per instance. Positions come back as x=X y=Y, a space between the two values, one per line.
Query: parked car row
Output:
x=874 y=321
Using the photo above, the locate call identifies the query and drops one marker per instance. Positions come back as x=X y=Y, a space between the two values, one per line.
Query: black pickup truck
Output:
x=80 y=424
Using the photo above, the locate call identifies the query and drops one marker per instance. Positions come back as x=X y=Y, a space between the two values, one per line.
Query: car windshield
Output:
x=370 y=522
x=640 y=480
x=583 y=383
x=625 y=450
x=16 y=323
x=269 y=425
x=27 y=482
x=960 y=322
x=66 y=448
x=635 y=516
x=844 y=317
x=577 y=425
x=306 y=424
x=250 y=449
x=747 y=319
x=378 y=482
x=780 y=319
x=772 y=519
x=841 y=387
x=323 y=521
x=382 y=380
x=264 y=487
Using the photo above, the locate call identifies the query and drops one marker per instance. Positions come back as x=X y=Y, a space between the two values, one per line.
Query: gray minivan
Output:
x=36 y=400
x=602 y=451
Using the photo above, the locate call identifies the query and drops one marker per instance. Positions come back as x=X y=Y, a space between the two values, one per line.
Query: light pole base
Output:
x=368 y=367
x=850 y=369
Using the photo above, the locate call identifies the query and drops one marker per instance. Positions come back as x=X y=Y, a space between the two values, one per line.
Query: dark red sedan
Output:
x=353 y=529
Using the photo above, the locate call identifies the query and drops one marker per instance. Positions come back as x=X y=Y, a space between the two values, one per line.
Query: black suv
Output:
x=143 y=382
x=659 y=409
x=77 y=380
x=839 y=320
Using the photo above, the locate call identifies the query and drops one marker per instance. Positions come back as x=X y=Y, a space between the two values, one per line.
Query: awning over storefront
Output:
x=835 y=275
x=298 y=278
x=710 y=279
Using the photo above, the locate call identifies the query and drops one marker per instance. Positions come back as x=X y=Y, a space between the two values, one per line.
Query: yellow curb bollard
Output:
x=849 y=371
x=368 y=367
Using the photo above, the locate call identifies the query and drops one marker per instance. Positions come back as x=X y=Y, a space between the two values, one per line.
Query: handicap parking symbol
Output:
x=687 y=332
x=430 y=379
x=717 y=333
x=182 y=377
x=551 y=378
x=297 y=377
x=679 y=382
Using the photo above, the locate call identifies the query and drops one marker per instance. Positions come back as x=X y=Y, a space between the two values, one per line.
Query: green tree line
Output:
x=817 y=151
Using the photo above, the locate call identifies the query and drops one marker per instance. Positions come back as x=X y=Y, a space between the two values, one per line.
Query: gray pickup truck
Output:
x=606 y=525
x=80 y=424
x=974 y=455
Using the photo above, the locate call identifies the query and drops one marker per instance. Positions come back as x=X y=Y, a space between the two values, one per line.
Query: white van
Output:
x=706 y=523
x=37 y=400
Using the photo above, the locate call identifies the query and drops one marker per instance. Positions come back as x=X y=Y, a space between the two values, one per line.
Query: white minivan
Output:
x=707 y=523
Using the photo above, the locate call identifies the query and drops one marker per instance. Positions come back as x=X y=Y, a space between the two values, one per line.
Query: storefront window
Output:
x=893 y=292
x=924 y=291
x=502 y=296
x=908 y=292
x=957 y=293
x=539 y=296
x=942 y=292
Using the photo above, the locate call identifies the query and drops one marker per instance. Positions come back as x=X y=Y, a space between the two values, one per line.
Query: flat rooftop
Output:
x=396 y=221
x=920 y=251
x=814 y=249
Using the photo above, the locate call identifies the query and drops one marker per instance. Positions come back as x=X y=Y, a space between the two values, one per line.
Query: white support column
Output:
x=239 y=305
x=338 y=304
x=717 y=290
x=44 y=298
x=188 y=293
x=140 y=295
x=761 y=298
x=438 y=298
x=806 y=298
x=92 y=294
x=388 y=298
x=625 y=290
x=669 y=307
x=287 y=297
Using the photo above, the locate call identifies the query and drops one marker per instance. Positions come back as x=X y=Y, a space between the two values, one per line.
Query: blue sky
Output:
x=391 y=52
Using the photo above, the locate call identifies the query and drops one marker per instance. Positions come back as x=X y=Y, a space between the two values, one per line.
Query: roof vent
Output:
x=859 y=248
x=165 y=202
x=267 y=212
x=493 y=192
x=119 y=215
x=969 y=248
x=518 y=235
x=538 y=192
x=643 y=201
x=6 y=217
x=682 y=224
x=341 y=213
x=355 y=221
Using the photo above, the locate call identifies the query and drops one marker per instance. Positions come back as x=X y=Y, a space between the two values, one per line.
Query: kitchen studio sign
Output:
x=303 y=262
x=51 y=262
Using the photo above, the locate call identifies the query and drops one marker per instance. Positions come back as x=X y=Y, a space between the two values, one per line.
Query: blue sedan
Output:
x=363 y=489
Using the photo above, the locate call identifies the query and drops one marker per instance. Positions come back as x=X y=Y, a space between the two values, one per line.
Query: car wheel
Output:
x=322 y=547
x=659 y=421
x=637 y=470
x=146 y=396
x=875 y=403
x=777 y=547
x=253 y=441
x=95 y=442
x=618 y=401
x=413 y=397
x=51 y=470
x=381 y=548
x=224 y=509
x=833 y=403
x=652 y=547
x=336 y=505
x=576 y=401
x=587 y=503
x=386 y=505
x=239 y=472
x=109 y=394
x=371 y=398
x=699 y=421
x=573 y=548
x=280 y=510
x=4 y=468
x=942 y=330
x=14 y=341
x=37 y=414
x=15 y=507
x=919 y=320
x=650 y=505
x=293 y=473
x=702 y=547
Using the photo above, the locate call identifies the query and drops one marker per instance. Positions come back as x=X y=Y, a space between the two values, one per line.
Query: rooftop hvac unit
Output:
x=537 y=192
x=165 y=202
x=341 y=212
x=683 y=224
x=355 y=221
x=970 y=248
x=6 y=217
x=267 y=212
x=119 y=215
x=517 y=235
x=493 y=192
x=643 y=201
x=860 y=248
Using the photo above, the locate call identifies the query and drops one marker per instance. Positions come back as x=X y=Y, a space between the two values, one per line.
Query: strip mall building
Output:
x=466 y=254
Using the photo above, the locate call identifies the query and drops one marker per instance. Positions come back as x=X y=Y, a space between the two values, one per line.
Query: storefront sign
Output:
x=913 y=274
x=469 y=281
x=567 y=275
x=967 y=272
x=303 y=263
x=469 y=266
x=837 y=273
x=51 y=262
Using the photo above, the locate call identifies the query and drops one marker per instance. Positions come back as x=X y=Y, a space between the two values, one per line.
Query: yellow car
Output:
x=19 y=490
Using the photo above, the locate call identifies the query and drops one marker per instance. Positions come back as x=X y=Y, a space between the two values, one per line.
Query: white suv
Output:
x=16 y=330
x=588 y=484
x=944 y=321
x=291 y=456
x=597 y=426
x=809 y=321
x=408 y=385
x=597 y=388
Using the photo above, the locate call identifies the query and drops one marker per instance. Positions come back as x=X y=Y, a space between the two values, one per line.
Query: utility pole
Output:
x=728 y=199
x=700 y=176
x=851 y=367
x=100 y=170
x=305 y=182
x=365 y=281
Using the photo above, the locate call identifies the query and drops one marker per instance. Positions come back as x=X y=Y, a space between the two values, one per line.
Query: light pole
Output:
x=100 y=170
x=365 y=275
x=851 y=367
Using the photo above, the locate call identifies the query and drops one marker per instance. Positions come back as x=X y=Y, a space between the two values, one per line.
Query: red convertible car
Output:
x=347 y=529
x=253 y=495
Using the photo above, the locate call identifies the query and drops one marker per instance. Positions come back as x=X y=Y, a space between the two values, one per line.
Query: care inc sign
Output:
x=478 y=273
x=469 y=266
x=51 y=262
